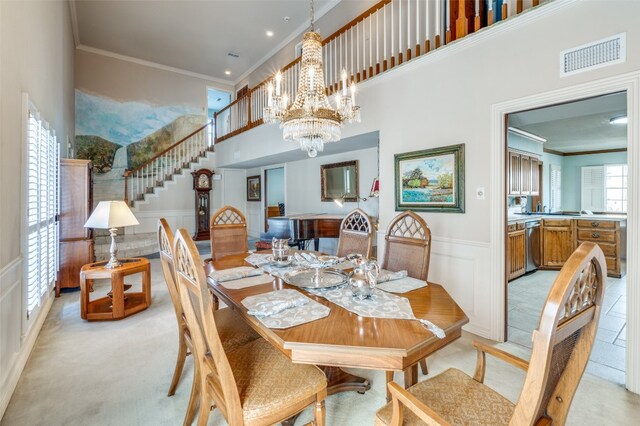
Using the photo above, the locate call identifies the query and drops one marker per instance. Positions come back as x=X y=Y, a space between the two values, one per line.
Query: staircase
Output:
x=162 y=168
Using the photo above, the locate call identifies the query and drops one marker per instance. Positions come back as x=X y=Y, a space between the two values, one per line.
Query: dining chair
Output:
x=228 y=232
x=408 y=247
x=252 y=385
x=232 y=329
x=561 y=347
x=356 y=234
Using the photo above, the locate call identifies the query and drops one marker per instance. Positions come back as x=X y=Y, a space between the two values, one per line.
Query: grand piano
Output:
x=302 y=228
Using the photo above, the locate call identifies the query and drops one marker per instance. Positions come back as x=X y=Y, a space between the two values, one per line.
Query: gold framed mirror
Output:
x=339 y=181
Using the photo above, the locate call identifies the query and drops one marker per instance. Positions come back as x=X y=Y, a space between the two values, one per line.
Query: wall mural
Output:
x=117 y=136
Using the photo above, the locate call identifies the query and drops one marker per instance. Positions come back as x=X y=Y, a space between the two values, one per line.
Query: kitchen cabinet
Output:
x=606 y=233
x=557 y=242
x=516 y=255
x=515 y=174
x=523 y=174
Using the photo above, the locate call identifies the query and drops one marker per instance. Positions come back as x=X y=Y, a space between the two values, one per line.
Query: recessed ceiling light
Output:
x=619 y=120
x=227 y=72
x=286 y=19
x=269 y=33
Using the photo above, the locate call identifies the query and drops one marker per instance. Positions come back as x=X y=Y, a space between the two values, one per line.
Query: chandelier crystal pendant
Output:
x=311 y=121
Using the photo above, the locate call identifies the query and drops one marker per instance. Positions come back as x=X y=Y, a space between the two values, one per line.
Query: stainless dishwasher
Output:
x=532 y=248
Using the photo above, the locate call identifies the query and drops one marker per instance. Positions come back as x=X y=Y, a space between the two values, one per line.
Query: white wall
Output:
x=36 y=56
x=446 y=98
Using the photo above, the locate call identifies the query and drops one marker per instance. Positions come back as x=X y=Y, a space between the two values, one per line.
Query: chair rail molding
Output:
x=630 y=83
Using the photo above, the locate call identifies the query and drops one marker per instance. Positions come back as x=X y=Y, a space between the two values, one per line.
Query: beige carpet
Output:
x=118 y=373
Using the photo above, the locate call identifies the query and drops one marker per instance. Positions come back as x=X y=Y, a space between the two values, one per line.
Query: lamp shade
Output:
x=111 y=214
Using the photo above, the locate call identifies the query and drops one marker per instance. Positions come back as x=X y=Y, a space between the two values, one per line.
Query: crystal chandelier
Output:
x=310 y=120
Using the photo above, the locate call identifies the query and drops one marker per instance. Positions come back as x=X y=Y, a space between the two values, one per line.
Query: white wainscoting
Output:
x=14 y=347
x=462 y=268
x=175 y=218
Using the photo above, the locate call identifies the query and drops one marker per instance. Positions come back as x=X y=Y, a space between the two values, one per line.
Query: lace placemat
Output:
x=402 y=285
x=247 y=282
x=257 y=259
x=379 y=305
x=284 y=308
x=235 y=273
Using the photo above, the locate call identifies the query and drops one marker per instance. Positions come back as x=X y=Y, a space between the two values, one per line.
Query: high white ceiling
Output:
x=195 y=36
x=577 y=126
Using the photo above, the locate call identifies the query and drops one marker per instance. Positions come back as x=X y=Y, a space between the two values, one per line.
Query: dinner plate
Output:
x=306 y=278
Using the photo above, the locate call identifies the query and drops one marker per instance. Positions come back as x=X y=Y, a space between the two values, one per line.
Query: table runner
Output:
x=284 y=308
x=379 y=305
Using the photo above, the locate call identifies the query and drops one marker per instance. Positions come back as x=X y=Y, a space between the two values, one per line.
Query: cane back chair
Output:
x=356 y=234
x=408 y=247
x=228 y=232
x=252 y=385
x=561 y=347
x=232 y=329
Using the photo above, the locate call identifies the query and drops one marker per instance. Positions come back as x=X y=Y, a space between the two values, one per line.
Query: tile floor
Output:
x=526 y=296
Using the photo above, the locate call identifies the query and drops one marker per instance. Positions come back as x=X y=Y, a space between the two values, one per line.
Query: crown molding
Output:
x=101 y=52
x=74 y=22
x=294 y=35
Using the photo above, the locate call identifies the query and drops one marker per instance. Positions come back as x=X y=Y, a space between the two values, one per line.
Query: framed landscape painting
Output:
x=253 y=188
x=430 y=180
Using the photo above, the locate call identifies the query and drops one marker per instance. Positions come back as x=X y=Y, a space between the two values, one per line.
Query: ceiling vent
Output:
x=598 y=54
x=233 y=55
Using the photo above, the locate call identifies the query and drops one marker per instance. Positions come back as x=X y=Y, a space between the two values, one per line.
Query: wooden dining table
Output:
x=345 y=339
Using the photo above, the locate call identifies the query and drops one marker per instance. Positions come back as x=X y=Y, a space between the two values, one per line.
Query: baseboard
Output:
x=21 y=360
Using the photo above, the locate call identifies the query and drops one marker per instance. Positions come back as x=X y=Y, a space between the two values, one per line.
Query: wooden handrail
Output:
x=160 y=154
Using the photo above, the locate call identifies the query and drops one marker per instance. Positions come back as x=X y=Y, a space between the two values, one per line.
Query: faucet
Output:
x=538 y=206
x=544 y=209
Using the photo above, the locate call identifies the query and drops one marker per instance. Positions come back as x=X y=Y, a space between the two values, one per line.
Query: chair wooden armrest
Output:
x=401 y=398
x=498 y=353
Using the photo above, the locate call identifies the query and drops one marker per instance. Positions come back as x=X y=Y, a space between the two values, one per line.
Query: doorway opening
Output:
x=273 y=194
x=567 y=179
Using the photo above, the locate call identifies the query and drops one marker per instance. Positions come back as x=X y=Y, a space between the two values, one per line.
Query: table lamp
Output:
x=111 y=215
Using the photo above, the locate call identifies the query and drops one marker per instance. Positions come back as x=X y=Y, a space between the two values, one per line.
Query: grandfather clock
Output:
x=202 y=186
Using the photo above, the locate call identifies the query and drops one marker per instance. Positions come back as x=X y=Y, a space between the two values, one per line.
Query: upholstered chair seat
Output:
x=269 y=383
x=458 y=399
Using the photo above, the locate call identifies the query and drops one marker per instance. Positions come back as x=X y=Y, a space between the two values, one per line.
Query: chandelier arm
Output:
x=311 y=13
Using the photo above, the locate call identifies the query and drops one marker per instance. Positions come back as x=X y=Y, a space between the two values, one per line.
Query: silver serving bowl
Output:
x=280 y=263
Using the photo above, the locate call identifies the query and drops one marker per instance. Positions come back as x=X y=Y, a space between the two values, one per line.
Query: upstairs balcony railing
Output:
x=381 y=38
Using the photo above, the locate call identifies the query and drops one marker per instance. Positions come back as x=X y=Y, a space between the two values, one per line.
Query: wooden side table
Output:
x=116 y=307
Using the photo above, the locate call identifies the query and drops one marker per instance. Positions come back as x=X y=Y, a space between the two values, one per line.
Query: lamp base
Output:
x=113 y=261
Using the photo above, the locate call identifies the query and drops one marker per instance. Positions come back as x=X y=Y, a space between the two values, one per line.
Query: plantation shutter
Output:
x=42 y=207
x=593 y=189
x=555 y=187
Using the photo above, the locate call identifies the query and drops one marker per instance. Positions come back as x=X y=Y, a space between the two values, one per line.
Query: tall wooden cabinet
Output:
x=76 y=203
x=557 y=242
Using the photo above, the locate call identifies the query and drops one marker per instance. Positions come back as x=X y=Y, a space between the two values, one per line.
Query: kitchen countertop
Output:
x=530 y=217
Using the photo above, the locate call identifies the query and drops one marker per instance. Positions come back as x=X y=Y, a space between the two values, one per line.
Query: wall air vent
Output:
x=598 y=54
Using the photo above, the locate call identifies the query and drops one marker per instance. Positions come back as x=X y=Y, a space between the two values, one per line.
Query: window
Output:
x=604 y=188
x=616 y=188
x=42 y=156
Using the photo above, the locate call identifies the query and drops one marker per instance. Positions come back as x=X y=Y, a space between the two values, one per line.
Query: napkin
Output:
x=273 y=302
x=235 y=273
x=385 y=275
